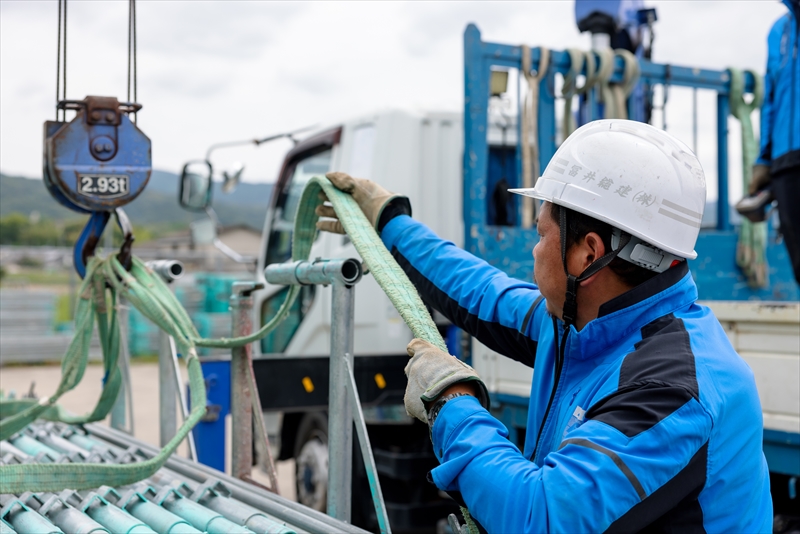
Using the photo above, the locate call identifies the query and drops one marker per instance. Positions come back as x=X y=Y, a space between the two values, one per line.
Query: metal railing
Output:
x=509 y=247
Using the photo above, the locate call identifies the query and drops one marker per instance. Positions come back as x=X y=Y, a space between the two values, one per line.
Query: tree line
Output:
x=25 y=230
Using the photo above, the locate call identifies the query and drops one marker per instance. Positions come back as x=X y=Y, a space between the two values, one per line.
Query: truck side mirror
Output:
x=195 y=190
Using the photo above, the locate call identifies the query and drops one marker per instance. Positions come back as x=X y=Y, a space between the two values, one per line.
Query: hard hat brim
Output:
x=554 y=191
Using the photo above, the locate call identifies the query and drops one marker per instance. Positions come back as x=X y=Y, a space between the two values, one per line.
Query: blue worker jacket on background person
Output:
x=656 y=422
x=780 y=113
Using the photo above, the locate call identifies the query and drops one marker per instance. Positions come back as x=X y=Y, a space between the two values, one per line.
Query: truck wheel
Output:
x=311 y=457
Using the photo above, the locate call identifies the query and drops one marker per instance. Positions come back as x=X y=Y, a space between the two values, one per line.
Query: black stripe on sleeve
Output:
x=654 y=380
x=611 y=454
x=674 y=507
x=506 y=340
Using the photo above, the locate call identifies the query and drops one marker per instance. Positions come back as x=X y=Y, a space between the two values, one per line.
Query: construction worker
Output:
x=776 y=173
x=641 y=414
x=613 y=23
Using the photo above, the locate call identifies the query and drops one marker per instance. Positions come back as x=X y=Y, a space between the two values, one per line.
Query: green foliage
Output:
x=17 y=229
x=38 y=277
x=27 y=261
x=11 y=228
x=63 y=310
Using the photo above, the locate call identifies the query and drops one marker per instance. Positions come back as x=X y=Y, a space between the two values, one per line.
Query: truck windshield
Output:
x=279 y=250
x=280 y=238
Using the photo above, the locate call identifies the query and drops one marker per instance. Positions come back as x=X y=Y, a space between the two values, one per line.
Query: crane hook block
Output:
x=99 y=160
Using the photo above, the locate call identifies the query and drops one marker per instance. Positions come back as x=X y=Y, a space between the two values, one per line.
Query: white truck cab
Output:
x=418 y=154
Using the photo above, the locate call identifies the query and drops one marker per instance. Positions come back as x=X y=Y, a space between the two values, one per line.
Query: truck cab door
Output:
x=312 y=157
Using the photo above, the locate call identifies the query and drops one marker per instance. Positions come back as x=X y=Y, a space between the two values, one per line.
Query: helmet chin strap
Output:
x=570 y=310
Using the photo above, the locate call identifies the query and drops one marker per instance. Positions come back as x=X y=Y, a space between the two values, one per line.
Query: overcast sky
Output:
x=219 y=71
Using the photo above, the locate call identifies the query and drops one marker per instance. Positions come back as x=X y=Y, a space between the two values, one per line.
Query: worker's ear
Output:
x=588 y=250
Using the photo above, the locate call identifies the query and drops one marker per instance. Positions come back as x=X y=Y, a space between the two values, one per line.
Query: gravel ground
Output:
x=144 y=378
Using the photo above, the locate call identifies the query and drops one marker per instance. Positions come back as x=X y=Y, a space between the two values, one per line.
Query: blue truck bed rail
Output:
x=509 y=247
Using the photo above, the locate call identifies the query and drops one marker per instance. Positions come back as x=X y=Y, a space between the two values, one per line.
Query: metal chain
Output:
x=61 y=54
x=132 y=52
x=62 y=6
x=129 y=52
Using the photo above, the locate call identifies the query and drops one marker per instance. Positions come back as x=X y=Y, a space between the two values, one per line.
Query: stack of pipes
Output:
x=183 y=496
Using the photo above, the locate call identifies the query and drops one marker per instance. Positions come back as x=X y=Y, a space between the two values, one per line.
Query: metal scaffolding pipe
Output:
x=343 y=405
x=243 y=514
x=314 y=272
x=167 y=395
x=216 y=493
x=293 y=513
x=139 y=507
x=340 y=419
x=105 y=513
x=7 y=448
x=5 y=528
x=201 y=517
x=62 y=514
x=33 y=447
x=23 y=519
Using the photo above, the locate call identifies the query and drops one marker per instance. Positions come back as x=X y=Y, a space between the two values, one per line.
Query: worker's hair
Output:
x=578 y=225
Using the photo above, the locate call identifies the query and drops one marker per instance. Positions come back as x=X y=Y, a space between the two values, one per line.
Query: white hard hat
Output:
x=632 y=176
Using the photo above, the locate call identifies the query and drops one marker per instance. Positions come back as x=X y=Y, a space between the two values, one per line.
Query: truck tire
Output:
x=311 y=455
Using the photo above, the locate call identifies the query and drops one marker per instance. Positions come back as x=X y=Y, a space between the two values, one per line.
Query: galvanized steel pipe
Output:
x=340 y=419
x=62 y=514
x=23 y=519
x=105 y=513
x=293 y=513
x=202 y=518
x=322 y=272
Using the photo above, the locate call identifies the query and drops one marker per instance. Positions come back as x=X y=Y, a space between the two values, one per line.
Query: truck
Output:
x=452 y=166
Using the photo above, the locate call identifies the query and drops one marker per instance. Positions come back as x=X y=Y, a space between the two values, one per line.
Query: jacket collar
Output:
x=619 y=317
x=793 y=7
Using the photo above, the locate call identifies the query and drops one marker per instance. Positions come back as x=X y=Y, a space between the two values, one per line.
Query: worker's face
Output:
x=548 y=269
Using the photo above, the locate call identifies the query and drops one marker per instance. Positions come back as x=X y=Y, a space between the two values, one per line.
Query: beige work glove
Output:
x=760 y=179
x=371 y=198
x=430 y=371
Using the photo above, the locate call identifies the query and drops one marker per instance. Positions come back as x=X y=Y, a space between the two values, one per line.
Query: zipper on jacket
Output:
x=558 y=368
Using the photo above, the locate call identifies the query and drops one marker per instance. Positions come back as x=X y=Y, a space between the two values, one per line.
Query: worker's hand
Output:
x=760 y=180
x=371 y=198
x=430 y=372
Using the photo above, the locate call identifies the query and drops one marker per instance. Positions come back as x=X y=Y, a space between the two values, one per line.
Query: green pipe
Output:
x=201 y=517
x=23 y=519
x=87 y=443
x=33 y=447
x=113 y=518
x=5 y=528
x=159 y=519
x=244 y=515
x=74 y=521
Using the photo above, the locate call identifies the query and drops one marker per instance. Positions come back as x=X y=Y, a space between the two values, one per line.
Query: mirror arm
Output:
x=222 y=247
x=213 y=216
x=257 y=142
x=215 y=146
x=232 y=254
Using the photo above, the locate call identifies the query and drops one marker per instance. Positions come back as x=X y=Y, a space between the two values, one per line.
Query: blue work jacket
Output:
x=780 y=114
x=655 y=420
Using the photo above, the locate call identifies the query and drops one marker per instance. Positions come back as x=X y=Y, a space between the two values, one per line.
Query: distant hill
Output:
x=156 y=205
x=159 y=202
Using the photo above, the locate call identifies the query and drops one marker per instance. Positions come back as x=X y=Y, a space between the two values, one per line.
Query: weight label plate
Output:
x=103 y=185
